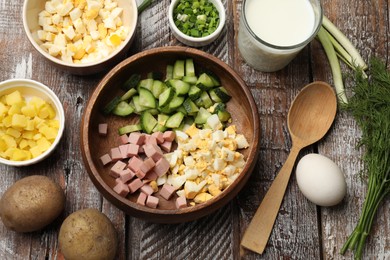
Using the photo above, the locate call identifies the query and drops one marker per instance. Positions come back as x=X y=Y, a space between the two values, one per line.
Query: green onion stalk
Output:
x=337 y=46
x=145 y=4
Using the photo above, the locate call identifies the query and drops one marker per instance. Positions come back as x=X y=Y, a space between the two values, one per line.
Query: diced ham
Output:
x=159 y=137
x=115 y=154
x=135 y=185
x=151 y=175
x=167 y=191
x=103 y=129
x=141 y=149
x=132 y=150
x=147 y=165
x=136 y=138
x=124 y=139
x=105 y=159
x=141 y=199
x=166 y=146
x=152 y=202
x=162 y=167
x=126 y=175
x=153 y=151
x=181 y=202
x=123 y=149
x=117 y=168
x=122 y=189
x=147 y=189
x=169 y=136
x=150 y=139
x=140 y=174
x=134 y=163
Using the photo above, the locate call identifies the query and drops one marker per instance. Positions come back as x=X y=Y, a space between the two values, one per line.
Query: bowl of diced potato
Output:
x=32 y=122
x=81 y=37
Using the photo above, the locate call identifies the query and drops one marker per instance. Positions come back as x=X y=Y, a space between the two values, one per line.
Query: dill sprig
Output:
x=370 y=107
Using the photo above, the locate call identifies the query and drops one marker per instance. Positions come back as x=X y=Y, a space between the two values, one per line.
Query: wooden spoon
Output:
x=310 y=117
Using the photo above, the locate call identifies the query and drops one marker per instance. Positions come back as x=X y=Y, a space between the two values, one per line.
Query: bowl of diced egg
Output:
x=81 y=36
x=170 y=134
x=32 y=122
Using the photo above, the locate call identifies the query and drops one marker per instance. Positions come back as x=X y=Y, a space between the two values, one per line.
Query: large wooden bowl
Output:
x=242 y=107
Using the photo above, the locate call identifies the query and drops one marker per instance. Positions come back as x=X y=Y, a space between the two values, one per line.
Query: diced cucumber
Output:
x=166 y=97
x=146 y=83
x=175 y=120
x=158 y=88
x=148 y=122
x=190 y=107
x=214 y=97
x=190 y=68
x=107 y=109
x=222 y=93
x=131 y=92
x=159 y=128
x=223 y=115
x=146 y=98
x=166 y=110
x=204 y=100
x=194 y=93
x=205 y=82
x=178 y=69
x=129 y=129
x=181 y=87
x=190 y=79
x=162 y=119
x=202 y=116
x=169 y=72
x=123 y=109
x=132 y=82
x=182 y=109
x=153 y=111
x=137 y=105
x=212 y=75
x=176 y=102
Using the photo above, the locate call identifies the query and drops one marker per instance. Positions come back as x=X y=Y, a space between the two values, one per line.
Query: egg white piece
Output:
x=320 y=180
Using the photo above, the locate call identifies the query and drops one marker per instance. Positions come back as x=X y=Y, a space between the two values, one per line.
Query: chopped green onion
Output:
x=196 y=18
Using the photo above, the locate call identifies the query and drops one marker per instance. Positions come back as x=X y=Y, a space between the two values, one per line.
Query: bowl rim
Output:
x=222 y=19
x=164 y=214
x=80 y=65
x=46 y=91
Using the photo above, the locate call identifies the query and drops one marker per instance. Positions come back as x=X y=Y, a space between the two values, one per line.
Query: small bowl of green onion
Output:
x=196 y=23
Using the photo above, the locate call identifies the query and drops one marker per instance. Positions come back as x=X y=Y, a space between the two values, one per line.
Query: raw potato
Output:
x=31 y=204
x=88 y=234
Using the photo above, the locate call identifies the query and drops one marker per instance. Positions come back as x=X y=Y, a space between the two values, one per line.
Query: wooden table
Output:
x=301 y=231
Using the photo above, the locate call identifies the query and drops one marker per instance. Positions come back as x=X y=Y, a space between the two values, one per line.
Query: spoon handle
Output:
x=256 y=236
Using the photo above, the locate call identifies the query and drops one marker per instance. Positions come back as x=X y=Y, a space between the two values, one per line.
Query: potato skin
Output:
x=31 y=203
x=88 y=234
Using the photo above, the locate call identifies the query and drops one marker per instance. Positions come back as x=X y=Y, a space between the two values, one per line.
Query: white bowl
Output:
x=197 y=41
x=32 y=8
x=29 y=88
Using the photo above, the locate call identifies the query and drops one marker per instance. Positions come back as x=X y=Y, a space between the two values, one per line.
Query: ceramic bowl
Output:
x=242 y=108
x=31 y=88
x=32 y=8
x=197 y=41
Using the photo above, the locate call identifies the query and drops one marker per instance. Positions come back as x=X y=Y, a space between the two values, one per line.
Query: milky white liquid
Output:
x=281 y=22
x=286 y=24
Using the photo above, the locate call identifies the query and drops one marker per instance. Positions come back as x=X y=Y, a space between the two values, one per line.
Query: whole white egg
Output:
x=320 y=180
